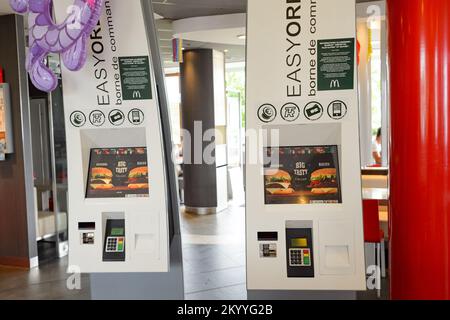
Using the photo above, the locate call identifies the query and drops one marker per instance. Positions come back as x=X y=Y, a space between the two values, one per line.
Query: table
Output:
x=375 y=194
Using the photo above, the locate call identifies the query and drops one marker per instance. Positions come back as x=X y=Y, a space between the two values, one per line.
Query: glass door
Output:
x=59 y=169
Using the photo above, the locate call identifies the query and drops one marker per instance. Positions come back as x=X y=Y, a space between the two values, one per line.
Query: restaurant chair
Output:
x=373 y=234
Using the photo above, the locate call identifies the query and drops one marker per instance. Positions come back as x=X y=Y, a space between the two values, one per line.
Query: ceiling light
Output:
x=242 y=37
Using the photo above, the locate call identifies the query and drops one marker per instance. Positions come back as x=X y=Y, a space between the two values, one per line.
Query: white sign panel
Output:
x=117 y=188
x=304 y=208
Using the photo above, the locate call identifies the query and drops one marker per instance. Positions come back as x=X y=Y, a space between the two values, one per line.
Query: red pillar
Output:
x=419 y=53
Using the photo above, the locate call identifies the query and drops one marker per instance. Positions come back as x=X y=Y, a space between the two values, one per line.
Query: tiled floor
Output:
x=48 y=282
x=213 y=255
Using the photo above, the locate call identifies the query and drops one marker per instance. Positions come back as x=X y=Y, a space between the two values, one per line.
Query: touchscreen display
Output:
x=302 y=175
x=117 y=231
x=299 y=243
x=118 y=173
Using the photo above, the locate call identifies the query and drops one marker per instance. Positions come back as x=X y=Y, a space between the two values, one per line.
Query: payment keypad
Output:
x=115 y=244
x=299 y=257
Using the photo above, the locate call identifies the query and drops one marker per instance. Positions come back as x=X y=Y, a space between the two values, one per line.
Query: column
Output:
x=204 y=120
x=419 y=52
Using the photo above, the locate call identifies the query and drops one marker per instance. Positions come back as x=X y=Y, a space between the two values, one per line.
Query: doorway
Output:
x=49 y=173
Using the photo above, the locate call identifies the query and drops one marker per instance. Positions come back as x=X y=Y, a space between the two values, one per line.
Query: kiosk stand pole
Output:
x=142 y=286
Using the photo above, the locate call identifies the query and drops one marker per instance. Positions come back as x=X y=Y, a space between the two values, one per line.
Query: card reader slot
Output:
x=114 y=243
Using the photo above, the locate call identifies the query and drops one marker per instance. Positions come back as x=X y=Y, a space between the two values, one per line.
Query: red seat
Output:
x=374 y=235
x=372 y=232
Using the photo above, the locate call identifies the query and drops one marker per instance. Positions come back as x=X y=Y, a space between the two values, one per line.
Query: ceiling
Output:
x=180 y=9
x=217 y=39
x=226 y=29
x=172 y=10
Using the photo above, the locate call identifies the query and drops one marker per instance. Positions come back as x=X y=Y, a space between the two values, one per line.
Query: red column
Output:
x=419 y=53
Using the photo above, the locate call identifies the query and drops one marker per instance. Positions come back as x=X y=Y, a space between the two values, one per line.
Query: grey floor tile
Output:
x=237 y=292
x=215 y=279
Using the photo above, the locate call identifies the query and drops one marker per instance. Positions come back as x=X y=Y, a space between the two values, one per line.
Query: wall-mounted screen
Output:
x=2 y=113
x=118 y=173
x=302 y=175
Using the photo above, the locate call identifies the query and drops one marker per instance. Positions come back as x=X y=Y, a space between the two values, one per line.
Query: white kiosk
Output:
x=304 y=206
x=123 y=205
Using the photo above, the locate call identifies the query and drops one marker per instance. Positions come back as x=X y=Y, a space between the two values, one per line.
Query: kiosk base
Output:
x=300 y=295
x=142 y=286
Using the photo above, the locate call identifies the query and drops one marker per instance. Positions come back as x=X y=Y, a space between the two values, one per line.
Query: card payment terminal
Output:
x=300 y=263
x=114 y=244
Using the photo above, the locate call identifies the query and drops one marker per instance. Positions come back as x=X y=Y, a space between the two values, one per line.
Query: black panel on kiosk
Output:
x=299 y=249
x=114 y=243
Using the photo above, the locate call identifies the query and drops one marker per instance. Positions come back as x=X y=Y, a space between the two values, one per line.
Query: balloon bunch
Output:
x=68 y=38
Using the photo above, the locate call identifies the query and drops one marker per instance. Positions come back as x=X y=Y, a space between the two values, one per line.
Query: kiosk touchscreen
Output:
x=303 y=173
x=118 y=192
x=118 y=173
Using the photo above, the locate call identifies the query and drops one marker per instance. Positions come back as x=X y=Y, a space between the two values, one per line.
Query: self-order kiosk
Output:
x=304 y=208
x=118 y=199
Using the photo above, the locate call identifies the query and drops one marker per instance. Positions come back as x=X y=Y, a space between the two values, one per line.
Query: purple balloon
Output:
x=68 y=38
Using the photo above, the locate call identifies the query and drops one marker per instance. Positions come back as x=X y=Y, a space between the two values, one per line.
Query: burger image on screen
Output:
x=324 y=181
x=278 y=182
x=138 y=178
x=101 y=179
